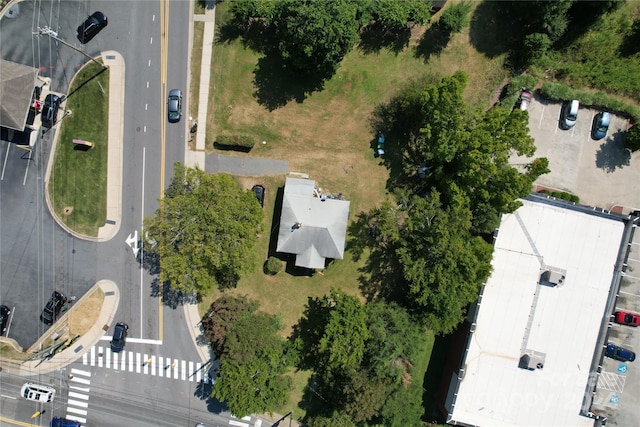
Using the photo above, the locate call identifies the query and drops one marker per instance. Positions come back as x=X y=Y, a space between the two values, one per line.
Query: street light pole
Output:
x=48 y=31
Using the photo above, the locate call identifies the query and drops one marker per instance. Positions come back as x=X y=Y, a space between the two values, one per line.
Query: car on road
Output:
x=601 y=125
x=91 y=27
x=63 y=422
x=618 y=353
x=37 y=392
x=258 y=190
x=50 y=110
x=569 y=114
x=52 y=308
x=525 y=99
x=625 y=318
x=119 y=337
x=174 y=105
x=4 y=318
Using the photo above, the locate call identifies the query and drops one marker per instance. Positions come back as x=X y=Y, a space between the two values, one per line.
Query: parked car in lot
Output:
x=600 y=125
x=625 y=318
x=4 y=318
x=258 y=190
x=37 y=392
x=91 y=27
x=119 y=337
x=50 y=110
x=53 y=307
x=569 y=114
x=524 y=99
x=174 y=106
x=618 y=353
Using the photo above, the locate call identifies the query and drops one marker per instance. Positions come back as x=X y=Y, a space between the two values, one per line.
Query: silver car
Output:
x=174 y=105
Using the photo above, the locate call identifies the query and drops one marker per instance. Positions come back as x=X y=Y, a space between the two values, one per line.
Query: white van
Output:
x=38 y=392
x=569 y=114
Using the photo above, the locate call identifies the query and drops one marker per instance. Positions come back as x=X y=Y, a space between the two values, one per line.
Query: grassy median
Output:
x=78 y=182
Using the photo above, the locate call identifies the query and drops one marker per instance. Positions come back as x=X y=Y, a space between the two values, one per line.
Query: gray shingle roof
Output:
x=311 y=228
x=17 y=82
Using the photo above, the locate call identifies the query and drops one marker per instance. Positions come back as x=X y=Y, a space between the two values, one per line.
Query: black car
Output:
x=50 y=110
x=174 y=105
x=258 y=190
x=91 y=27
x=119 y=337
x=4 y=318
x=53 y=307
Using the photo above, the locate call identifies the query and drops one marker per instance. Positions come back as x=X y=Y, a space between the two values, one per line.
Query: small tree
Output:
x=455 y=17
x=273 y=266
x=632 y=140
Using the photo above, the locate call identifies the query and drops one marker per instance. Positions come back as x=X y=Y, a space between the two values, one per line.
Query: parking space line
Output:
x=6 y=157
x=629 y=293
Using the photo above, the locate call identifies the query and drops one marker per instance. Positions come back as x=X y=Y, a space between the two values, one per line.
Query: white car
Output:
x=38 y=392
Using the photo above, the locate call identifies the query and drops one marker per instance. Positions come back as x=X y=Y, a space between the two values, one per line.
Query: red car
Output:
x=625 y=318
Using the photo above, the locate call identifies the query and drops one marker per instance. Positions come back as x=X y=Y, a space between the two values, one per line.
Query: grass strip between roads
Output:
x=78 y=182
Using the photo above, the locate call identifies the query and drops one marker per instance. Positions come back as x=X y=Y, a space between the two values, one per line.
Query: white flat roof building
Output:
x=533 y=342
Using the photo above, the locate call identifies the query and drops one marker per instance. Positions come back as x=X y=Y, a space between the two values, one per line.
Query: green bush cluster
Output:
x=455 y=17
x=273 y=266
x=512 y=90
x=561 y=195
x=632 y=141
x=233 y=141
x=600 y=100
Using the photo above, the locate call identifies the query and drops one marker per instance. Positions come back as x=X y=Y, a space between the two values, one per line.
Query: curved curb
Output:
x=115 y=62
x=88 y=340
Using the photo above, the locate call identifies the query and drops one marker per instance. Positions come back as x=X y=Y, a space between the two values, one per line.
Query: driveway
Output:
x=244 y=166
x=602 y=173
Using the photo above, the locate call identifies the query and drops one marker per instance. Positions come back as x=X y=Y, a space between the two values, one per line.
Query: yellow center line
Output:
x=164 y=53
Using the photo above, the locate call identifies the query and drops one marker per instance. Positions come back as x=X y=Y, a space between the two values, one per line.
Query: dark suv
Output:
x=50 y=110
x=4 y=318
x=53 y=307
x=119 y=337
x=91 y=27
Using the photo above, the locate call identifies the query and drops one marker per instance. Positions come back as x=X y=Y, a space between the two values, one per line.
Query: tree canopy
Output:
x=253 y=356
x=204 y=231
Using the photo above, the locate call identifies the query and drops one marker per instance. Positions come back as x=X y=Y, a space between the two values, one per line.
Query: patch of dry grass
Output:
x=85 y=313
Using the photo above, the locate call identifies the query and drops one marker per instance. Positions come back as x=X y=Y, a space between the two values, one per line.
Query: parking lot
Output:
x=618 y=384
x=602 y=173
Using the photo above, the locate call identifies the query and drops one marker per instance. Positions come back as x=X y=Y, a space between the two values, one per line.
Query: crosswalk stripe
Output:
x=76 y=411
x=82 y=389
x=85 y=358
x=93 y=356
x=75 y=371
x=78 y=403
x=100 y=357
x=175 y=370
x=138 y=363
x=145 y=368
x=153 y=365
x=123 y=360
x=78 y=419
x=108 y=357
x=78 y=395
x=130 y=362
x=81 y=380
x=238 y=423
x=198 y=372
x=191 y=371
x=184 y=369
x=161 y=366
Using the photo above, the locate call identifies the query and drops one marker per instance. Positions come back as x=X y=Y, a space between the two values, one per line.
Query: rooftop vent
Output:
x=552 y=277
x=532 y=360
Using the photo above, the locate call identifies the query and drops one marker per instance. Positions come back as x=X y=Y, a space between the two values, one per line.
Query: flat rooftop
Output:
x=557 y=325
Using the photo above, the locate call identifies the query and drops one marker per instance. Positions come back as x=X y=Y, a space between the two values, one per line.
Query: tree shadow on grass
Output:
x=375 y=36
x=612 y=154
x=276 y=84
x=433 y=41
x=496 y=27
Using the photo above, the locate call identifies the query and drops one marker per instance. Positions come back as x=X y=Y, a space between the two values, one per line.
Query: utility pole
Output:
x=48 y=31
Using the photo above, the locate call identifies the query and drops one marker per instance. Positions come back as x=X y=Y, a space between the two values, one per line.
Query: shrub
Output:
x=561 y=195
x=632 y=141
x=272 y=266
x=512 y=90
x=600 y=100
x=235 y=142
x=455 y=17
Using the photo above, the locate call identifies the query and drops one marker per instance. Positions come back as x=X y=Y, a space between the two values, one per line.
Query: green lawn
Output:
x=78 y=182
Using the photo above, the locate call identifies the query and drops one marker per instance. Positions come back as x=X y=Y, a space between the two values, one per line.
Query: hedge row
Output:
x=599 y=100
x=561 y=195
x=242 y=142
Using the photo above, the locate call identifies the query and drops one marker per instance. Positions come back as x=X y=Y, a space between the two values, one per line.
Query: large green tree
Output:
x=222 y=317
x=204 y=231
x=253 y=358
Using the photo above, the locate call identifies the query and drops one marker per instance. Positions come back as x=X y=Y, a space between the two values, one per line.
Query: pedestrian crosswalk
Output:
x=78 y=399
x=147 y=364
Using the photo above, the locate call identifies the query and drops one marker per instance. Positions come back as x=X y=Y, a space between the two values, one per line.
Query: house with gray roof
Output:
x=313 y=226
